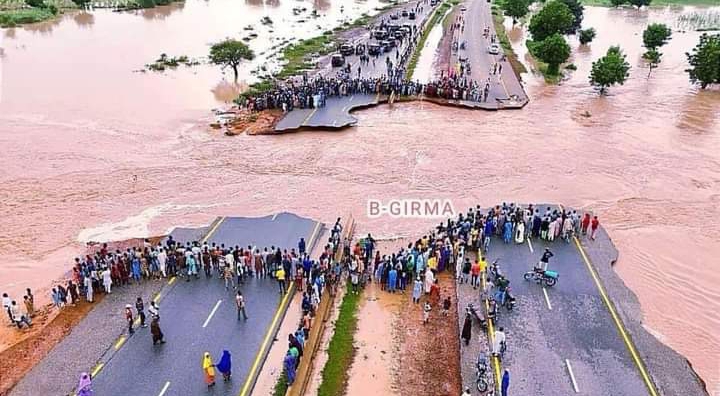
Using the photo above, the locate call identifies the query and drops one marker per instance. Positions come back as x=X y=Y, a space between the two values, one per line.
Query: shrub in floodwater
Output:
x=609 y=70
x=586 y=35
x=705 y=61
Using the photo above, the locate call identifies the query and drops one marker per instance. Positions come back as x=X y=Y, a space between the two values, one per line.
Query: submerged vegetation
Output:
x=19 y=12
x=166 y=62
x=700 y=20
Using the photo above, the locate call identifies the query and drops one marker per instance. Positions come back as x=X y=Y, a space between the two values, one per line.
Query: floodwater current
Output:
x=92 y=150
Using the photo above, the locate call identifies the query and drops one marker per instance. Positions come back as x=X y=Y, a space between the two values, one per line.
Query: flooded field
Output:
x=96 y=151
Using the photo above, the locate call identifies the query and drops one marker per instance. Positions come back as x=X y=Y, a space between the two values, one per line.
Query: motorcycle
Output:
x=509 y=300
x=471 y=310
x=481 y=374
x=495 y=269
x=549 y=278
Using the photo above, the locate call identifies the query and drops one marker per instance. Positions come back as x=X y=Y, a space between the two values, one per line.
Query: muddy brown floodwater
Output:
x=93 y=151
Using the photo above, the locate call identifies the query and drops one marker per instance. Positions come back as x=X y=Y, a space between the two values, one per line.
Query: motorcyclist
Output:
x=544 y=260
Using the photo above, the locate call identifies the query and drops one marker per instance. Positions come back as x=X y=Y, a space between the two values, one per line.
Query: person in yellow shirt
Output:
x=483 y=266
x=280 y=275
x=432 y=263
x=208 y=369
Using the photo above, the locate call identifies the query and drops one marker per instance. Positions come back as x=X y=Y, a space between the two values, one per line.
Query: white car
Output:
x=494 y=49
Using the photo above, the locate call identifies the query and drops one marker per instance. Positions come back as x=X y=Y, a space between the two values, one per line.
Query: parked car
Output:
x=463 y=8
x=374 y=49
x=360 y=49
x=380 y=34
x=494 y=49
x=412 y=15
x=399 y=35
x=346 y=50
x=337 y=60
x=394 y=17
x=404 y=13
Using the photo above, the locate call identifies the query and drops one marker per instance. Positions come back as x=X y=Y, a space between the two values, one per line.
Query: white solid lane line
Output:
x=572 y=376
x=217 y=304
x=274 y=217
x=547 y=299
x=530 y=246
x=164 y=389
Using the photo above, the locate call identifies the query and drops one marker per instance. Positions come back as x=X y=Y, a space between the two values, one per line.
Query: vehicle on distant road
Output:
x=394 y=17
x=360 y=49
x=337 y=60
x=374 y=49
x=404 y=13
x=346 y=50
x=494 y=49
x=380 y=34
x=411 y=16
x=463 y=8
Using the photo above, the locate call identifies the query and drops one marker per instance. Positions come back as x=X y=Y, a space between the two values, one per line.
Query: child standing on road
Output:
x=129 y=318
x=446 y=306
x=426 y=312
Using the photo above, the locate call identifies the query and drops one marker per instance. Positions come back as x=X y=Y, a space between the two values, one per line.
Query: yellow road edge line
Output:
x=618 y=323
x=246 y=387
x=120 y=342
x=491 y=339
x=212 y=230
x=172 y=280
x=313 y=236
x=97 y=369
x=157 y=298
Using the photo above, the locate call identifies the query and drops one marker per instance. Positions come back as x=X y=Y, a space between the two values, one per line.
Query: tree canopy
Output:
x=554 y=50
x=705 y=61
x=586 y=35
x=554 y=17
x=230 y=52
x=577 y=9
x=640 y=3
x=609 y=70
x=617 y=3
x=516 y=9
x=656 y=35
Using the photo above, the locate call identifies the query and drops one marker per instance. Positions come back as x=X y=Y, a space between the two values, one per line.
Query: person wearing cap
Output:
x=129 y=318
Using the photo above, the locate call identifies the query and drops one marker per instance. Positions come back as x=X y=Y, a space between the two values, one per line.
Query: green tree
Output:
x=516 y=9
x=656 y=35
x=554 y=50
x=577 y=9
x=230 y=53
x=35 y=3
x=652 y=57
x=586 y=35
x=554 y=17
x=705 y=61
x=640 y=3
x=609 y=70
x=80 y=3
x=617 y=3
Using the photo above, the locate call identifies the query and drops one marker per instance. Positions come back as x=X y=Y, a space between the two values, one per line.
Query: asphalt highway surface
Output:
x=200 y=315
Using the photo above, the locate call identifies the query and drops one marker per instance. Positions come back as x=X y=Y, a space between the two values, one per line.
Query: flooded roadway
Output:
x=93 y=151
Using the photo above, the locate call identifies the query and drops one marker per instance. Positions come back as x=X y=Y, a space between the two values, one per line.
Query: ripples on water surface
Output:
x=77 y=124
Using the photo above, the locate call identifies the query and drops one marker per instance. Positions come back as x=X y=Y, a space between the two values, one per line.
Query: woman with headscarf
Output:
x=520 y=232
x=157 y=334
x=289 y=363
x=294 y=343
x=417 y=290
x=208 y=369
x=225 y=365
x=84 y=385
x=467 y=328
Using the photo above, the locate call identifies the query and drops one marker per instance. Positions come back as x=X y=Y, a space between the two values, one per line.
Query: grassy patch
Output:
x=12 y=18
x=498 y=22
x=298 y=55
x=434 y=20
x=550 y=78
x=281 y=386
x=340 y=351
